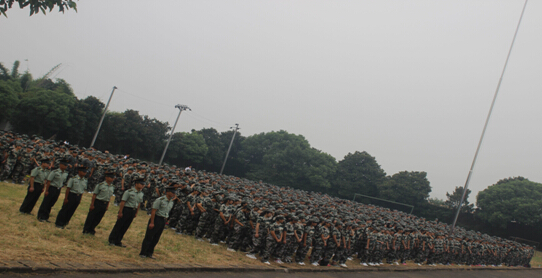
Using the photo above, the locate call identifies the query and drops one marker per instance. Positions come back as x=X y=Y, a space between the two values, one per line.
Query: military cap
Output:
x=139 y=180
x=45 y=160
x=109 y=174
x=82 y=168
x=170 y=189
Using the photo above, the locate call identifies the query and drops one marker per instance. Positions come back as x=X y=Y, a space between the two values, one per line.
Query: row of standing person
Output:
x=43 y=180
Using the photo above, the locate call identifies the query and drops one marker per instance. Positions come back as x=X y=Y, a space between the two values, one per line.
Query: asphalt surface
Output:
x=365 y=274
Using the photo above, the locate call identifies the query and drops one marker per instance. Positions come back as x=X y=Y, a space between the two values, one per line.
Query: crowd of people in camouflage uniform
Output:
x=268 y=221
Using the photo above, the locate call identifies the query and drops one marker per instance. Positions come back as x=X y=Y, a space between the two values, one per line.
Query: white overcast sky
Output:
x=410 y=82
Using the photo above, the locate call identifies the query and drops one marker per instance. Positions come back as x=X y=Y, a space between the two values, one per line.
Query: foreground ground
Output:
x=26 y=239
x=371 y=274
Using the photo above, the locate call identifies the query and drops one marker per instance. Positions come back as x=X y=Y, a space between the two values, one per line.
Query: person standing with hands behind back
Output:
x=99 y=203
x=74 y=191
x=128 y=208
x=37 y=180
x=157 y=222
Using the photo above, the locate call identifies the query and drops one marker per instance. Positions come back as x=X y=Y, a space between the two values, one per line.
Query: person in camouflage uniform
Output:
x=190 y=214
x=155 y=188
x=321 y=237
x=342 y=245
x=206 y=208
x=179 y=202
x=240 y=228
x=291 y=240
x=307 y=242
x=222 y=221
x=274 y=237
x=260 y=233
x=125 y=184
x=24 y=164
x=10 y=161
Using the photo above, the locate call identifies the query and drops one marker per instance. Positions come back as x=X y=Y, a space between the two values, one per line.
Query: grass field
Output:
x=25 y=238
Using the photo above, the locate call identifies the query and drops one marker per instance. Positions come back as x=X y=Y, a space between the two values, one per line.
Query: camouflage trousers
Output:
x=270 y=248
x=219 y=228
x=187 y=222
x=391 y=256
x=118 y=194
x=317 y=253
x=257 y=243
x=175 y=215
x=421 y=256
x=434 y=257
x=20 y=171
x=302 y=252
x=238 y=236
x=149 y=203
x=208 y=230
x=363 y=255
x=341 y=254
x=329 y=252
x=375 y=255
x=288 y=249
x=93 y=181
x=203 y=224
x=7 y=168
x=402 y=255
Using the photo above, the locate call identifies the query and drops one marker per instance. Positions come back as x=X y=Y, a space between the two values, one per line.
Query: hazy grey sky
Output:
x=410 y=82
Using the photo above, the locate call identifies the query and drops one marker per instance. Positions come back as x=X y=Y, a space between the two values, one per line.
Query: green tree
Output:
x=9 y=100
x=236 y=164
x=513 y=199
x=212 y=161
x=38 y=5
x=406 y=187
x=437 y=202
x=130 y=133
x=358 y=172
x=287 y=160
x=454 y=199
x=84 y=118
x=186 y=149
x=42 y=112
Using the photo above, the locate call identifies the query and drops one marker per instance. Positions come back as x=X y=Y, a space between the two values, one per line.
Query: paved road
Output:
x=365 y=274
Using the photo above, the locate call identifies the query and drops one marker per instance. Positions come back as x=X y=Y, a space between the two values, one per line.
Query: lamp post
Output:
x=229 y=148
x=102 y=119
x=181 y=109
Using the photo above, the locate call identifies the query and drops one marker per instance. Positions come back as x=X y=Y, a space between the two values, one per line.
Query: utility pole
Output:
x=465 y=188
x=229 y=148
x=102 y=119
x=181 y=109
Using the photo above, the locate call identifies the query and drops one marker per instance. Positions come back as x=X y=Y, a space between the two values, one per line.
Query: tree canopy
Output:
x=286 y=159
x=50 y=108
x=406 y=187
x=36 y=6
x=358 y=173
x=513 y=199
x=454 y=199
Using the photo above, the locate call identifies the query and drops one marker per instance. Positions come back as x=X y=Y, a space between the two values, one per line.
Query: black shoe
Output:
x=112 y=244
x=151 y=257
x=60 y=227
x=143 y=256
x=120 y=245
x=42 y=220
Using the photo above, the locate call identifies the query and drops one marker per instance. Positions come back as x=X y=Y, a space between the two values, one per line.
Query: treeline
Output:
x=50 y=109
